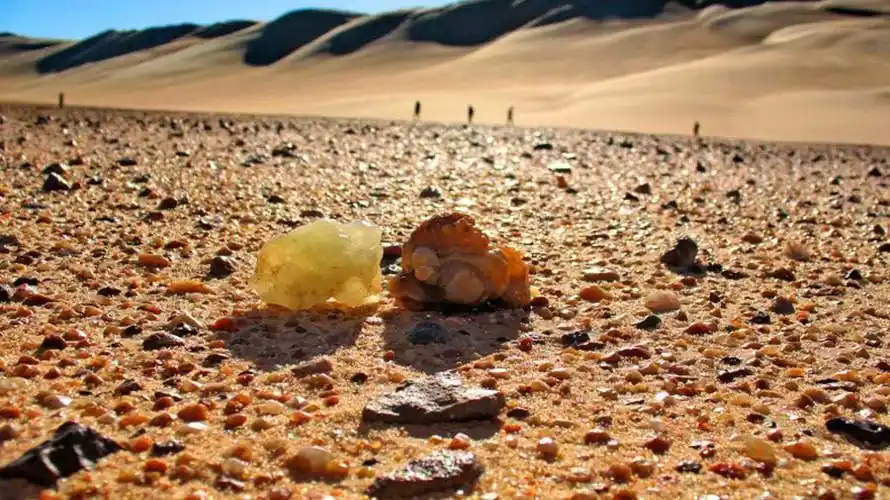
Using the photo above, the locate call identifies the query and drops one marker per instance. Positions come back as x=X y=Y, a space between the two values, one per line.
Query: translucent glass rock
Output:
x=319 y=261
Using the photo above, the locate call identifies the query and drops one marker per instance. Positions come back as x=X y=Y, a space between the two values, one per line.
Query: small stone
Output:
x=126 y=161
x=431 y=192
x=728 y=376
x=72 y=448
x=783 y=306
x=547 y=448
x=313 y=367
x=55 y=182
x=861 y=432
x=650 y=322
x=594 y=293
x=759 y=450
x=689 y=467
x=151 y=260
x=658 y=444
x=168 y=203
x=195 y=412
x=643 y=189
x=162 y=340
x=54 y=401
x=782 y=273
x=164 y=448
x=59 y=169
x=560 y=168
x=683 y=256
x=440 y=471
x=761 y=318
x=797 y=251
x=221 y=267
x=427 y=332
x=600 y=274
x=126 y=387
x=802 y=450
x=434 y=399
x=752 y=238
x=53 y=342
x=188 y=286
x=662 y=301
x=575 y=339
x=310 y=460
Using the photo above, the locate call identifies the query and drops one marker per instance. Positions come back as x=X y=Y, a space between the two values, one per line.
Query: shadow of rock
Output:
x=272 y=338
x=468 y=334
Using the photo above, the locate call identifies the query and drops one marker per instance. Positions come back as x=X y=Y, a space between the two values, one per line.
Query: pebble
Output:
x=594 y=293
x=662 y=301
x=547 y=448
x=803 y=450
x=600 y=274
x=221 y=267
x=427 y=332
x=194 y=413
x=759 y=450
x=310 y=460
x=313 y=367
x=162 y=340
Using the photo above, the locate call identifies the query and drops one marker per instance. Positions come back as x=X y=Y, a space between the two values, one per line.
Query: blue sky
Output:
x=81 y=18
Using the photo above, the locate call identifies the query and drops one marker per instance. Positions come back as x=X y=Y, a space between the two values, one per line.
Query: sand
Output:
x=667 y=401
x=790 y=71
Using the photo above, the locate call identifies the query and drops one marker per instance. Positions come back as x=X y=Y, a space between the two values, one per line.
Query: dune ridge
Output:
x=788 y=70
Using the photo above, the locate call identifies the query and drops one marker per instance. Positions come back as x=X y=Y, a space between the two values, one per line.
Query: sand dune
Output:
x=806 y=70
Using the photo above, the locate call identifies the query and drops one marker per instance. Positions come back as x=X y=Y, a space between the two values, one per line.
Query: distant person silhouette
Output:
x=61 y=100
x=696 y=128
x=417 y=110
x=470 y=113
x=510 y=116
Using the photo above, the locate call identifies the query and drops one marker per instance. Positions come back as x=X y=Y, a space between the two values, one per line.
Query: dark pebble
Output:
x=427 y=332
x=215 y=359
x=519 y=413
x=727 y=376
x=164 y=448
x=109 y=291
x=72 y=448
x=575 y=339
x=359 y=378
x=53 y=342
x=650 y=322
x=126 y=162
x=783 y=306
x=126 y=387
x=6 y=293
x=161 y=340
x=761 y=318
x=689 y=467
x=431 y=192
x=861 y=432
x=55 y=182
x=222 y=267
x=168 y=203
x=131 y=331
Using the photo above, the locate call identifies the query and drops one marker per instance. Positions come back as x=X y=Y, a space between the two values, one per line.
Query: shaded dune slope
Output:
x=291 y=31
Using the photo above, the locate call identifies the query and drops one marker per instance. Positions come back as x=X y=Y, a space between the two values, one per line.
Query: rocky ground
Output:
x=711 y=320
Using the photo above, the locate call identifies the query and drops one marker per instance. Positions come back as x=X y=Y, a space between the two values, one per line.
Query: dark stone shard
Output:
x=884 y=248
x=275 y=199
x=126 y=387
x=727 y=376
x=126 y=162
x=25 y=280
x=162 y=340
x=733 y=275
x=574 y=339
x=593 y=345
x=650 y=322
x=854 y=275
x=359 y=378
x=832 y=384
x=519 y=413
x=874 y=172
x=6 y=293
x=184 y=330
x=543 y=146
x=427 y=332
x=168 y=203
x=53 y=342
x=431 y=192
x=782 y=273
x=683 y=255
x=72 y=448
x=689 y=467
x=109 y=291
x=761 y=318
x=56 y=168
x=311 y=213
x=438 y=472
x=630 y=197
x=783 y=306
x=131 y=331
x=222 y=267
x=55 y=182
x=643 y=189
x=861 y=432
x=215 y=359
x=882 y=365
x=164 y=448
x=434 y=399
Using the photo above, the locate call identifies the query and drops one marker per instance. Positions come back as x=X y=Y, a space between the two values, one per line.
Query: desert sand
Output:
x=757 y=369
x=791 y=71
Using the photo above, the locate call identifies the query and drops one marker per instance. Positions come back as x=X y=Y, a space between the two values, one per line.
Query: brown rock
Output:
x=438 y=398
x=441 y=471
x=312 y=367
